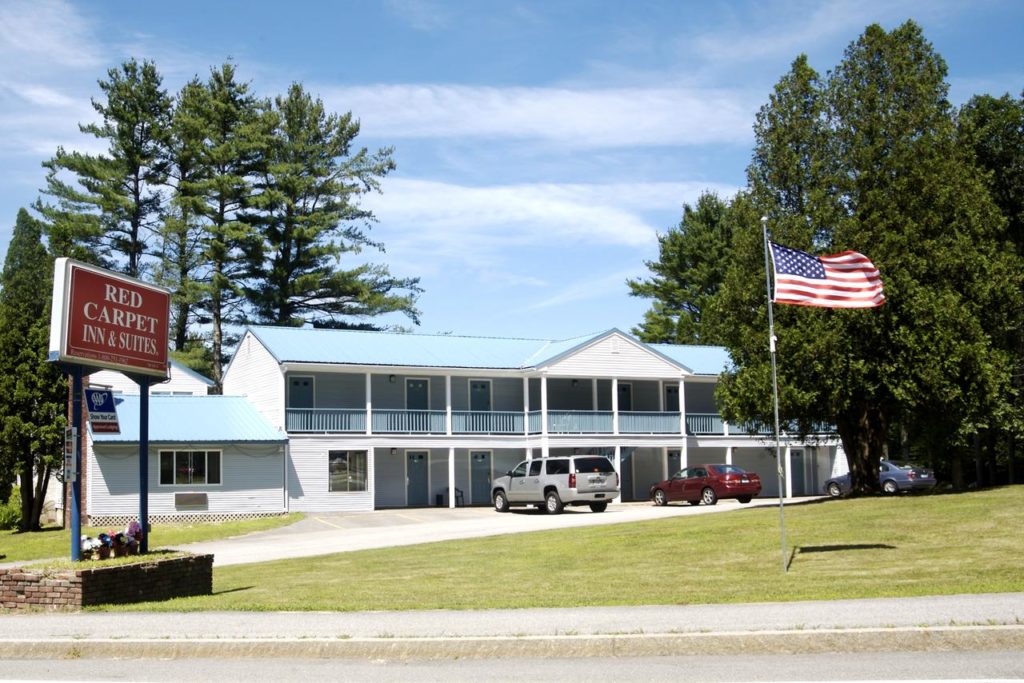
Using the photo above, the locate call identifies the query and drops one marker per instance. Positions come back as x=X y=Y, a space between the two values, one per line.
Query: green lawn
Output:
x=879 y=547
x=56 y=542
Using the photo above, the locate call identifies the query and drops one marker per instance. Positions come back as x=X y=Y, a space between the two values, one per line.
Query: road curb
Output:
x=953 y=638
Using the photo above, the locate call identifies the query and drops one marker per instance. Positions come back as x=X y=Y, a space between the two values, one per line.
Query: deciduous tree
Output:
x=879 y=171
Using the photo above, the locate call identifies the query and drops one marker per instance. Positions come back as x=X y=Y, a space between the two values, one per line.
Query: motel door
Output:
x=416 y=487
x=480 y=477
x=674 y=463
x=480 y=395
x=672 y=399
x=796 y=472
x=625 y=397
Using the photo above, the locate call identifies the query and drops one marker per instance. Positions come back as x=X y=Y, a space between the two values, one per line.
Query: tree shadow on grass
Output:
x=835 y=548
x=233 y=590
x=847 y=546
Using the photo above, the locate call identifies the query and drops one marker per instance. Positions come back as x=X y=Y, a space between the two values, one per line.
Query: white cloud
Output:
x=424 y=222
x=586 y=289
x=594 y=118
x=422 y=15
x=34 y=32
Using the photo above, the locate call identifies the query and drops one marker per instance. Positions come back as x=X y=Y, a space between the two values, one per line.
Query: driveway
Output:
x=325 y=534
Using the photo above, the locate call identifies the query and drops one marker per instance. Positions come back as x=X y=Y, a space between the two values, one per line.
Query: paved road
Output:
x=946 y=623
x=873 y=666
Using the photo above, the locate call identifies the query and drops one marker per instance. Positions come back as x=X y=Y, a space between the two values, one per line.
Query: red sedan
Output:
x=706 y=484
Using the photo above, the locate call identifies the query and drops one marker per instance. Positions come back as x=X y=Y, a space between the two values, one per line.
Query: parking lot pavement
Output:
x=325 y=534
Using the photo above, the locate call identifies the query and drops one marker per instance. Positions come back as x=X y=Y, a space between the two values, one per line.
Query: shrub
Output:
x=10 y=512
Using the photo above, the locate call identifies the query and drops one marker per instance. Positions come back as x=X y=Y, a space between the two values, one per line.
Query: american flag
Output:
x=844 y=280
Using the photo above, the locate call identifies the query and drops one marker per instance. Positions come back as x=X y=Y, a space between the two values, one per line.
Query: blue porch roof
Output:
x=192 y=419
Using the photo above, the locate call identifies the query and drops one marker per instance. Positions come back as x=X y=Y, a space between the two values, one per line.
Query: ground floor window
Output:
x=189 y=468
x=346 y=470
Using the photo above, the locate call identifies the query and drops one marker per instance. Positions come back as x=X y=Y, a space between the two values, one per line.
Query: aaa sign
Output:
x=106 y=320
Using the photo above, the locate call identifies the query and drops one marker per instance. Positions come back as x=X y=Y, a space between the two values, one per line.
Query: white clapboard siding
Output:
x=252 y=476
x=181 y=382
x=614 y=356
x=256 y=374
x=308 y=477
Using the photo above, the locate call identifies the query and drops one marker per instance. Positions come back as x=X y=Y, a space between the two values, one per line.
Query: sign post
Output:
x=104 y=320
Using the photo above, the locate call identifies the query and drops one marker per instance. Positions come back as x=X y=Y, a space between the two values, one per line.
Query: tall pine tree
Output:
x=309 y=219
x=112 y=206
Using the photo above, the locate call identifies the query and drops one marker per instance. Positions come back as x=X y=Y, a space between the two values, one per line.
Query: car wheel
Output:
x=743 y=499
x=500 y=501
x=660 y=499
x=552 y=503
x=890 y=487
x=834 y=489
x=708 y=496
x=598 y=507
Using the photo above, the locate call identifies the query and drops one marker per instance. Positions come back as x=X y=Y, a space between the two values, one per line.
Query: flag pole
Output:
x=775 y=397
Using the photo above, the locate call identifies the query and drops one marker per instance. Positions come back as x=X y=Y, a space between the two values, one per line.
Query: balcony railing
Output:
x=704 y=423
x=324 y=420
x=579 y=422
x=408 y=421
x=648 y=423
x=495 y=422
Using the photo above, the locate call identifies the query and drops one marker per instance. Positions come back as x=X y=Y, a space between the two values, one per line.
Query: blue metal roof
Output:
x=360 y=347
x=702 y=360
x=192 y=419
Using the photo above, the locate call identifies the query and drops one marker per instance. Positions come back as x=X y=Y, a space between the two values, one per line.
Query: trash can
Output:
x=439 y=500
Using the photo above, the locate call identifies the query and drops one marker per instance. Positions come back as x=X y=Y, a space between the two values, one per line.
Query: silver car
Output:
x=553 y=483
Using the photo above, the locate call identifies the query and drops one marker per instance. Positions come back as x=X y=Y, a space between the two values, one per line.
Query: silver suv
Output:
x=556 y=482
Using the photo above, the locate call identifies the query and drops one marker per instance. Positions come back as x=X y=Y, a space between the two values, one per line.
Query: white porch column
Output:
x=683 y=456
x=593 y=394
x=728 y=455
x=615 y=408
x=526 y=406
x=664 y=463
x=788 y=475
x=369 y=404
x=448 y=405
x=543 y=416
x=451 y=472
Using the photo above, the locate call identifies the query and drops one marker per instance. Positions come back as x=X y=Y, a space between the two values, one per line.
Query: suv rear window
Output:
x=560 y=466
x=594 y=465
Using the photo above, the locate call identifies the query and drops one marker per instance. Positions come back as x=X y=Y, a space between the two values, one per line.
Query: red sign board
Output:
x=106 y=320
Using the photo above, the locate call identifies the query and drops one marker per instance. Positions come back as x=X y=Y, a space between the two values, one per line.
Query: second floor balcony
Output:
x=465 y=422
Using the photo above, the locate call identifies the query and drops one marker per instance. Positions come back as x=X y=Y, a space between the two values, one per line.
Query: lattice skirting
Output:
x=120 y=521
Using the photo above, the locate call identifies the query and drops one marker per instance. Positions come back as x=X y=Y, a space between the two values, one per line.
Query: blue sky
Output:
x=541 y=146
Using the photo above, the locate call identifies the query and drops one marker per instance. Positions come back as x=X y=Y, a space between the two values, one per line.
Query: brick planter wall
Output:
x=142 y=581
